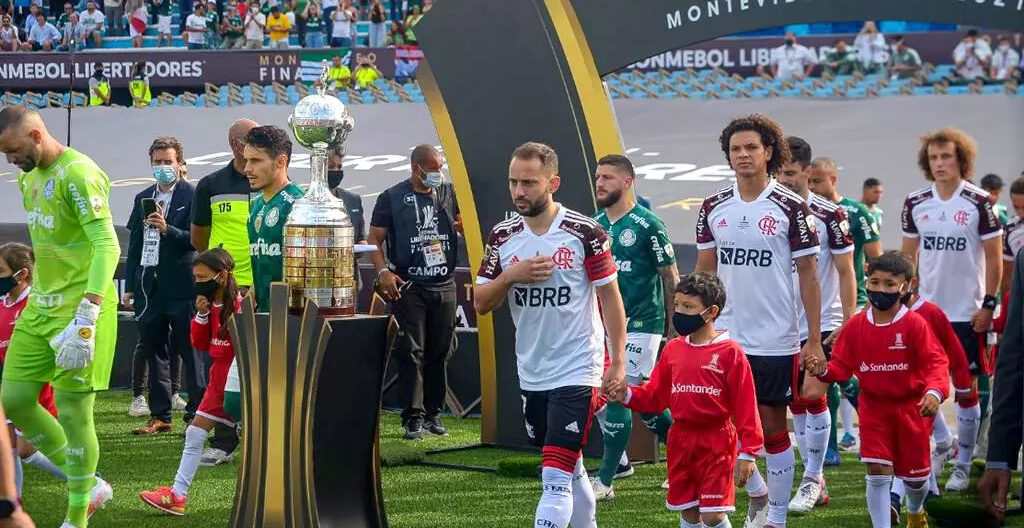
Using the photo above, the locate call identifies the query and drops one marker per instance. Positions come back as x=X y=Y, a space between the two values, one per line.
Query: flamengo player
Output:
x=66 y=334
x=752 y=233
x=812 y=422
x=553 y=265
x=950 y=228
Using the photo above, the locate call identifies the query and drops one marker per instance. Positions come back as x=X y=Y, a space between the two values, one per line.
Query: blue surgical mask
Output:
x=433 y=179
x=165 y=174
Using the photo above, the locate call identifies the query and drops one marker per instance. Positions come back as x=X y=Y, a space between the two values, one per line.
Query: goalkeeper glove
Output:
x=76 y=344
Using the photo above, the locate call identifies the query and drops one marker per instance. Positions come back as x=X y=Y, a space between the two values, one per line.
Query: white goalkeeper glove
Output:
x=77 y=343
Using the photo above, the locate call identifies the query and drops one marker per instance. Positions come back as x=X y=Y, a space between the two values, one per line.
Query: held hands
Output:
x=814 y=366
x=812 y=358
x=531 y=270
x=616 y=393
x=76 y=344
x=613 y=383
x=929 y=405
x=744 y=470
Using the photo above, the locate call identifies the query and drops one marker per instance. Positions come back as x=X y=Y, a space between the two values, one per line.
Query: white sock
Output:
x=819 y=426
x=933 y=485
x=779 y=468
x=967 y=421
x=19 y=473
x=800 y=432
x=878 y=500
x=39 y=460
x=940 y=432
x=195 y=437
x=846 y=412
x=555 y=506
x=916 y=496
x=898 y=488
x=584 y=505
x=755 y=484
x=624 y=459
x=724 y=524
x=684 y=524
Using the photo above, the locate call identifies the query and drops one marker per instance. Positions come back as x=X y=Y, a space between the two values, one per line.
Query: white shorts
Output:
x=163 y=24
x=233 y=384
x=641 y=353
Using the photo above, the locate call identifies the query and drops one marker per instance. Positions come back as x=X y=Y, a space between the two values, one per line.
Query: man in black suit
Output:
x=159 y=283
x=353 y=203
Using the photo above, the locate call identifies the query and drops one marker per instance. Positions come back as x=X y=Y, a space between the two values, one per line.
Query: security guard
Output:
x=139 y=86
x=99 y=87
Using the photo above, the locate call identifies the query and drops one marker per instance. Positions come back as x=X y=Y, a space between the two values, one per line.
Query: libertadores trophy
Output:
x=318 y=235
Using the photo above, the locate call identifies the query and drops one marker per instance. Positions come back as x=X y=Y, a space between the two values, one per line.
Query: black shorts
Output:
x=559 y=417
x=974 y=346
x=776 y=378
x=827 y=349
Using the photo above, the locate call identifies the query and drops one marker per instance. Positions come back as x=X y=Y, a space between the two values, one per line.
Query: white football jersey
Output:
x=1013 y=240
x=951 y=261
x=559 y=331
x=833 y=227
x=756 y=244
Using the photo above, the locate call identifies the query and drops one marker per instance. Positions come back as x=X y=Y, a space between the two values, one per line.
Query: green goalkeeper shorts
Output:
x=30 y=357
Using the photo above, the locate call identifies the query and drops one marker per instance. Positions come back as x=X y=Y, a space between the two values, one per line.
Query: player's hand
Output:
x=616 y=394
x=531 y=270
x=929 y=405
x=202 y=305
x=76 y=344
x=993 y=488
x=128 y=299
x=389 y=285
x=19 y=519
x=811 y=352
x=813 y=367
x=744 y=470
x=982 y=320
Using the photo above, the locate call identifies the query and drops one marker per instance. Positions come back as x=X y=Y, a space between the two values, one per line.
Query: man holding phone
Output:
x=160 y=246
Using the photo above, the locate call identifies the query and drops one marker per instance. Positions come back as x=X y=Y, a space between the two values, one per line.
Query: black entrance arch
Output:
x=501 y=72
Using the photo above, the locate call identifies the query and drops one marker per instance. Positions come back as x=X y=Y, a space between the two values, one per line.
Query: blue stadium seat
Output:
x=993 y=89
x=958 y=90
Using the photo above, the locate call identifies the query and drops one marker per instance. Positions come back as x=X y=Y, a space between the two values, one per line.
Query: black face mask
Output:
x=7 y=284
x=884 y=300
x=207 y=288
x=906 y=296
x=334 y=178
x=686 y=324
x=790 y=42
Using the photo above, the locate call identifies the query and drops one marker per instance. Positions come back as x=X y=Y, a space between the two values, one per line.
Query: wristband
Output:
x=989 y=303
x=383 y=271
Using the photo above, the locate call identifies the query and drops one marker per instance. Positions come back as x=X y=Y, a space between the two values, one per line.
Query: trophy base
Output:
x=326 y=311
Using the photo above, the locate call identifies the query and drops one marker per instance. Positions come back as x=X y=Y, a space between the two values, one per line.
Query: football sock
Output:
x=984 y=393
x=846 y=408
x=940 y=432
x=968 y=421
x=615 y=428
x=624 y=459
x=584 y=505
x=898 y=488
x=916 y=496
x=834 y=401
x=819 y=423
x=684 y=524
x=878 y=500
x=555 y=506
x=233 y=405
x=756 y=486
x=779 y=468
x=800 y=430
x=75 y=412
x=933 y=485
x=195 y=438
x=39 y=460
x=19 y=474
x=724 y=524
x=659 y=424
x=851 y=390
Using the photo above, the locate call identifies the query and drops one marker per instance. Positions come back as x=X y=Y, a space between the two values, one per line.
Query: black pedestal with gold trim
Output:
x=311 y=402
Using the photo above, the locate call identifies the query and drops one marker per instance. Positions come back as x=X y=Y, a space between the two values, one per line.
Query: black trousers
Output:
x=427 y=324
x=140 y=370
x=163 y=332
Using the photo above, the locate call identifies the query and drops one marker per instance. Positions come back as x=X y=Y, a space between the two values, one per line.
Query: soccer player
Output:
x=811 y=419
x=66 y=334
x=647 y=277
x=951 y=230
x=903 y=379
x=751 y=234
x=872 y=195
x=1013 y=235
x=554 y=265
x=705 y=380
x=993 y=185
x=866 y=246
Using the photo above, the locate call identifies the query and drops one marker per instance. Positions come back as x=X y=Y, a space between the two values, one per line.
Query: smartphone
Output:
x=148 y=207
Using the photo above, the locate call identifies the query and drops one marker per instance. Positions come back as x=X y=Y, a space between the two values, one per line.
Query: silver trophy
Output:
x=318 y=235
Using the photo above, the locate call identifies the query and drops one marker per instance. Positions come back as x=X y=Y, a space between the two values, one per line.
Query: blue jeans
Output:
x=314 y=40
x=341 y=42
x=378 y=35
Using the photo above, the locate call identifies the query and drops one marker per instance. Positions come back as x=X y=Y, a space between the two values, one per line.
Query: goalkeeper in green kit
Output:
x=66 y=334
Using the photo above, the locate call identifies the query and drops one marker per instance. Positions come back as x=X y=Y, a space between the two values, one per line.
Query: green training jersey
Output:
x=1002 y=213
x=59 y=200
x=864 y=230
x=640 y=245
x=877 y=214
x=266 y=235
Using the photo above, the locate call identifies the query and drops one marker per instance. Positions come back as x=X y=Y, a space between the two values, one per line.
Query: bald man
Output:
x=66 y=334
x=220 y=217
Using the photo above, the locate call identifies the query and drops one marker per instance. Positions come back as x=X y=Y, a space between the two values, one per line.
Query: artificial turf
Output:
x=416 y=496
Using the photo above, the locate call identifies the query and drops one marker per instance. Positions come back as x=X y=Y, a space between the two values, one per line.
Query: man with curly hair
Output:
x=752 y=234
x=955 y=237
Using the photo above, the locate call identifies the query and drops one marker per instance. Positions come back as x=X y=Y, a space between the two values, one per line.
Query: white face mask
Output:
x=1004 y=47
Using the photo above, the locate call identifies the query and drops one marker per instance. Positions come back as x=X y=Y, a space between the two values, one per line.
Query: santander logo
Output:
x=690 y=388
x=884 y=367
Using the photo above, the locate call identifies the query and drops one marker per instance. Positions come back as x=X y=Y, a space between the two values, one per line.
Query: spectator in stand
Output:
x=841 y=60
x=93 y=20
x=75 y=34
x=328 y=7
x=314 y=21
x=341 y=24
x=114 y=11
x=195 y=28
x=993 y=184
x=65 y=17
x=904 y=61
x=396 y=34
x=338 y=76
x=43 y=37
x=299 y=8
x=378 y=25
x=9 y=40
x=254 y=25
x=872 y=50
x=411 y=20
x=138 y=17
x=279 y=27
x=30 y=20
x=212 y=24
x=792 y=60
x=971 y=56
x=366 y=73
x=231 y=29
x=163 y=21
x=1005 y=60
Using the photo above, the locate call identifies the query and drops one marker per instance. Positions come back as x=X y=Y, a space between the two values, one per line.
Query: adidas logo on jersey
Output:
x=723 y=223
x=573 y=428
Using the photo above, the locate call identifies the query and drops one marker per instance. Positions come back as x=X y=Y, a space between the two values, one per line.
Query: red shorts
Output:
x=212 y=406
x=895 y=434
x=701 y=463
x=46 y=399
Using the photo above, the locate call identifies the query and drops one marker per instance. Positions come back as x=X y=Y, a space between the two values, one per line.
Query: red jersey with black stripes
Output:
x=559 y=331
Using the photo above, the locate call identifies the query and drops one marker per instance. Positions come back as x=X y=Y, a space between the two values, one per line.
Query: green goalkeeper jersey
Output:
x=640 y=245
x=266 y=236
x=59 y=200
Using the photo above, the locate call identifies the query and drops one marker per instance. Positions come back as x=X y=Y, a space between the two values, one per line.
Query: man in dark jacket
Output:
x=159 y=283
